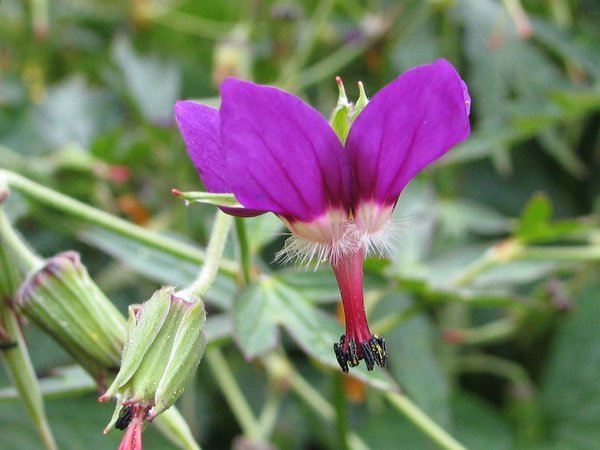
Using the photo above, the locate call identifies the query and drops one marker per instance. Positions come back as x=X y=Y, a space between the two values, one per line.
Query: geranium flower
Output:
x=275 y=153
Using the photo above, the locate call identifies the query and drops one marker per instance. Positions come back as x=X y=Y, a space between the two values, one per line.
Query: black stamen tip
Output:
x=125 y=418
x=352 y=354
x=368 y=355
x=379 y=348
x=341 y=357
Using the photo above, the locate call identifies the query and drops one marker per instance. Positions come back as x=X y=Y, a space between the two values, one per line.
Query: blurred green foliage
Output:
x=490 y=302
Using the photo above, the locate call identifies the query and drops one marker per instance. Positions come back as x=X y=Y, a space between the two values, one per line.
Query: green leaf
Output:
x=153 y=84
x=535 y=216
x=254 y=319
x=535 y=225
x=269 y=303
x=570 y=387
x=413 y=358
x=152 y=263
x=478 y=425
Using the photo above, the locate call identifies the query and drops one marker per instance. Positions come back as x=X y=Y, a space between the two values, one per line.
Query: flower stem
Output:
x=242 y=235
x=107 y=221
x=510 y=370
x=20 y=370
x=214 y=252
x=341 y=410
x=232 y=393
x=269 y=413
x=26 y=258
x=423 y=422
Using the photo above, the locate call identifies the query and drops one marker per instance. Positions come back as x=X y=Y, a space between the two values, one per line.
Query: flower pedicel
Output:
x=277 y=154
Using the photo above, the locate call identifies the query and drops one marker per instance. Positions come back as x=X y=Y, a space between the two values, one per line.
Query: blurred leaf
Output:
x=254 y=319
x=262 y=230
x=536 y=215
x=567 y=46
x=74 y=113
x=152 y=263
x=318 y=286
x=416 y=215
x=570 y=387
x=153 y=84
x=459 y=217
x=413 y=359
x=535 y=226
x=479 y=426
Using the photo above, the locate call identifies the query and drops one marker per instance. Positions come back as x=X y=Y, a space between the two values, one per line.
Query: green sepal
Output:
x=208 y=198
x=360 y=104
x=144 y=323
x=185 y=356
x=345 y=113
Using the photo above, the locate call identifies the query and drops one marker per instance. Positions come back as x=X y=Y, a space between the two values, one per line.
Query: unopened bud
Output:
x=165 y=342
x=63 y=300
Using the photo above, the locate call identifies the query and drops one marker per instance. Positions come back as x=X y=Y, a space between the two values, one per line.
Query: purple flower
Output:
x=275 y=153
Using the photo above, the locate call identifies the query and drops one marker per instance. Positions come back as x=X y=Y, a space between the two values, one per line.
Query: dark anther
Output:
x=125 y=417
x=340 y=355
x=379 y=349
x=368 y=355
x=351 y=353
x=373 y=351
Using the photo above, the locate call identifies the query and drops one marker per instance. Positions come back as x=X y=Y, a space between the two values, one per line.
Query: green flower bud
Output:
x=164 y=344
x=345 y=113
x=63 y=300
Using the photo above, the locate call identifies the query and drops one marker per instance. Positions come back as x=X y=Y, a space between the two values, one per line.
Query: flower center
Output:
x=328 y=237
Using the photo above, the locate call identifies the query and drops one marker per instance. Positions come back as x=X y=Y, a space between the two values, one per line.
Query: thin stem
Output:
x=232 y=393
x=186 y=23
x=491 y=332
x=214 y=252
x=510 y=370
x=242 y=235
x=26 y=258
x=22 y=374
x=269 y=413
x=107 y=221
x=423 y=422
x=570 y=253
x=341 y=409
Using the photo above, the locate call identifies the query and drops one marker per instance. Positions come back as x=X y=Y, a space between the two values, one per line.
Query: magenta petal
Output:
x=406 y=126
x=200 y=128
x=282 y=155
